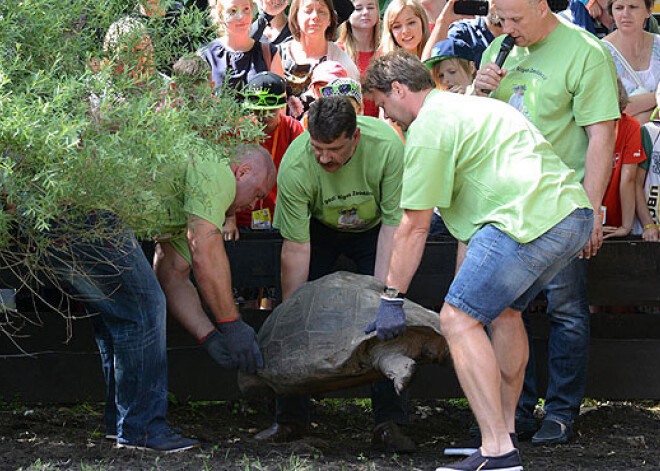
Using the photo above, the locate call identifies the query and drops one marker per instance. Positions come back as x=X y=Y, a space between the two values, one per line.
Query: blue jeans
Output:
x=112 y=278
x=568 y=348
x=499 y=272
x=326 y=246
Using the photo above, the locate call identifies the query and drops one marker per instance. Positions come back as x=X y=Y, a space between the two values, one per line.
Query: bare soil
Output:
x=610 y=436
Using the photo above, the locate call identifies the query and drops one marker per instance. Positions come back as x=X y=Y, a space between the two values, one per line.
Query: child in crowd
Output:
x=360 y=37
x=405 y=25
x=265 y=96
x=452 y=65
x=647 y=195
x=346 y=87
x=619 y=199
x=323 y=73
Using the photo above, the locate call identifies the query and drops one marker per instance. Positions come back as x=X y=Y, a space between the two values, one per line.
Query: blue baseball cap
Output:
x=449 y=49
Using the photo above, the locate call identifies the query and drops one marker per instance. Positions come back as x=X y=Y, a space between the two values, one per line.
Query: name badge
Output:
x=261 y=219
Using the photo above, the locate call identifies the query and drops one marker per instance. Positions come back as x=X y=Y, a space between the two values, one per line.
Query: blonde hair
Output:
x=216 y=15
x=464 y=64
x=387 y=42
x=348 y=40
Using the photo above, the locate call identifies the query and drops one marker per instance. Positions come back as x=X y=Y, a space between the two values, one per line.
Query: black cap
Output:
x=266 y=91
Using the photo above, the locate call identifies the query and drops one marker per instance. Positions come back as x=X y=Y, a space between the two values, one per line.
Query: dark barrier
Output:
x=624 y=284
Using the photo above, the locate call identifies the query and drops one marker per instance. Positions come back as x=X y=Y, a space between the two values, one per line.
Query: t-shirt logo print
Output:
x=349 y=219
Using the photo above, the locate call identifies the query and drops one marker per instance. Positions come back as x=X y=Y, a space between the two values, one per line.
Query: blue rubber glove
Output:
x=242 y=345
x=390 y=320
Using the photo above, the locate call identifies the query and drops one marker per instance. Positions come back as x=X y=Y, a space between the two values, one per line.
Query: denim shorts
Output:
x=499 y=272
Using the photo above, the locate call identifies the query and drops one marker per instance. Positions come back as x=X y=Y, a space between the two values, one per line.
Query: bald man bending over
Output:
x=213 y=189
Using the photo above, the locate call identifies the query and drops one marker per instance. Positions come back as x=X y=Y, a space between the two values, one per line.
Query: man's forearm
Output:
x=408 y=248
x=213 y=275
x=384 y=250
x=295 y=266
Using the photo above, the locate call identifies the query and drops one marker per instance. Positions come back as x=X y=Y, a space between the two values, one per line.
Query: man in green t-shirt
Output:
x=563 y=80
x=522 y=213
x=195 y=242
x=339 y=187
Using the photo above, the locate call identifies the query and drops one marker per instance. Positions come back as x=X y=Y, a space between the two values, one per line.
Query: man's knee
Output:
x=453 y=321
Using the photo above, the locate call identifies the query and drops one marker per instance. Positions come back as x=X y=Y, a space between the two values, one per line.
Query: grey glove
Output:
x=390 y=320
x=241 y=342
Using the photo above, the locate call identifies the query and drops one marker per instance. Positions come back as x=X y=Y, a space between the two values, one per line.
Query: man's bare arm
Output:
x=408 y=248
x=295 y=266
x=384 y=250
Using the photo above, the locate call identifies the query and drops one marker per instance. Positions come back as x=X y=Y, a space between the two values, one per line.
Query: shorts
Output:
x=499 y=272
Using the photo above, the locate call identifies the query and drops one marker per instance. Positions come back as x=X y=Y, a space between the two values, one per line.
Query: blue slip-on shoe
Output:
x=507 y=462
x=553 y=432
x=471 y=446
x=168 y=442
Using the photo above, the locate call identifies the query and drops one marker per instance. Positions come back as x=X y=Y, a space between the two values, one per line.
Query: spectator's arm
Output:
x=211 y=267
x=651 y=233
x=627 y=197
x=441 y=29
x=295 y=266
x=641 y=106
x=598 y=168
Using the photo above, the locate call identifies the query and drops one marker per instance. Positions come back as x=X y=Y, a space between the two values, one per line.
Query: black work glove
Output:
x=214 y=344
x=241 y=342
x=390 y=320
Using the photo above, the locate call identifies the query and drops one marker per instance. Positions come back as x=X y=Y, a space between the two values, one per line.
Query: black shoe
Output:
x=281 y=433
x=553 y=432
x=507 y=462
x=168 y=442
x=390 y=437
x=471 y=446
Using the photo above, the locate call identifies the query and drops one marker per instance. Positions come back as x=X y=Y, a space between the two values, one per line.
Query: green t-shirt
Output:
x=209 y=188
x=355 y=198
x=481 y=162
x=561 y=84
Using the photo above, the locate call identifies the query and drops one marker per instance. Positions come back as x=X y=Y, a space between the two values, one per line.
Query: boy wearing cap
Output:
x=452 y=65
x=265 y=96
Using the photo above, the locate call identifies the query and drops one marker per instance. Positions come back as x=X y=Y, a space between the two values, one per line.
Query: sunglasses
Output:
x=255 y=99
x=340 y=89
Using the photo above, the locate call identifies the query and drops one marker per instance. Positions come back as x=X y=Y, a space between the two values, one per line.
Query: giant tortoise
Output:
x=315 y=340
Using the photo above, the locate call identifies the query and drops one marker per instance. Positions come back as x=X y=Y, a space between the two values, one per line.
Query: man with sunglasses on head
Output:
x=265 y=96
x=339 y=191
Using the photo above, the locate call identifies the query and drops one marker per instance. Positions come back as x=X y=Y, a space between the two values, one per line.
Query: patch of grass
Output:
x=338 y=405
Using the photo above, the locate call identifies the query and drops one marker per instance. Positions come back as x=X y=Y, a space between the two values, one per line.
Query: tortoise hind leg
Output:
x=395 y=366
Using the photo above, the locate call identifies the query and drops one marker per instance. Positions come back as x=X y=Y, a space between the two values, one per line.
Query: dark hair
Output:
x=294 y=27
x=399 y=66
x=331 y=118
x=647 y=3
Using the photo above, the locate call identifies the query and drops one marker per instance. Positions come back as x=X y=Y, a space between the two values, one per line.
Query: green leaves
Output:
x=85 y=126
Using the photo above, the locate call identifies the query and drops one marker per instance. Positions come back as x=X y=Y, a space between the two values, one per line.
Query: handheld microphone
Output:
x=505 y=49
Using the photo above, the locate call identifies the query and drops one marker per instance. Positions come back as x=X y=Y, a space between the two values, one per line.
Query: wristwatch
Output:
x=393 y=293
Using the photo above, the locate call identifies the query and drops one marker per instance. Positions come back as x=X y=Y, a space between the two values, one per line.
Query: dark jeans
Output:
x=568 y=348
x=326 y=247
x=113 y=279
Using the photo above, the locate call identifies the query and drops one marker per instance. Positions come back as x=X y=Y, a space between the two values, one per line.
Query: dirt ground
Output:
x=610 y=436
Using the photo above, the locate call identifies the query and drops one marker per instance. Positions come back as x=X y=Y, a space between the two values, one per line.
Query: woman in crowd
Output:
x=234 y=57
x=313 y=24
x=360 y=37
x=452 y=65
x=406 y=26
x=636 y=55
